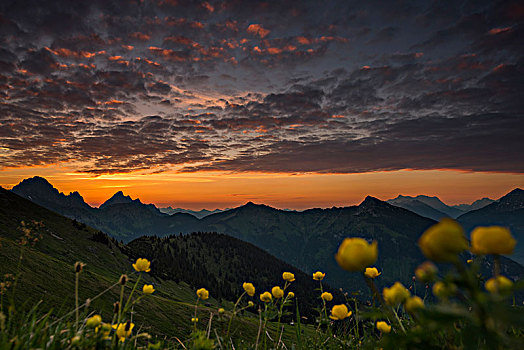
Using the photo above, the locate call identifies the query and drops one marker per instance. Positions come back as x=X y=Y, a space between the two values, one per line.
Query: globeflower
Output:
x=249 y=288
x=142 y=265
x=277 y=292
x=266 y=297
x=318 y=276
x=372 y=272
x=123 y=330
x=327 y=296
x=148 y=289
x=395 y=295
x=492 y=240
x=288 y=276
x=355 y=254
x=499 y=284
x=443 y=242
x=94 y=321
x=427 y=271
x=339 y=312
x=383 y=327
x=202 y=293
x=442 y=291
x=291 y=295
x=413 y=304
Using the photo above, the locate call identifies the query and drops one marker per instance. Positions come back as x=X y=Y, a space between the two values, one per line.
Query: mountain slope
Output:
x=478 y=204
x=427 y=206
x=507 y=211
x=198 y=214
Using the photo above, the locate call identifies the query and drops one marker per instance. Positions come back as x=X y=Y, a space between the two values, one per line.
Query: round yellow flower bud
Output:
x=327 y=296
x=355 y=254
x=291 y=295
x=277 y=292
x=492 y=240
x=442 y=291
x=75 y=340
x=413 y=304
x=194 y=319
x=396 y=294
x=249 y=288
x=202 y=293
x=372 y=272
x=318 y=276
x=339 y=312
x=94 y=321
x=266 y=297
x=142 y=265
x=427 y=271
x=221 y=310
x=288 y=276
x=444 y=241
x=250 y=304
x=148 y=289
x=499 y=284
x=383 y=327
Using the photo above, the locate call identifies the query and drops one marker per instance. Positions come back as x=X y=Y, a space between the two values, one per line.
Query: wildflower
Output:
x=123 y=330
x=249 y=288
x=396 y=294
x=499 y=284
x=123 y=280
x=148 y=289
x=221 y=310
x=194 y=319
x=290 y=295
x=75 y=340
x=266 y=297
x=277 y=292
x=355 y=254
x=442 y=291
x=202 y=293
x=250 y=304
x=383 y=327
x=414 y=303
x=469 y=261
x=105 y=328
x=79 y=266
x=443 y=242
x=288 y=276
x=318 y=276
x=372 y=272
x=339 y=312
x=492 y=240
x=94 y=321
x=426 y=271
x=142 y=265
x=326 y=296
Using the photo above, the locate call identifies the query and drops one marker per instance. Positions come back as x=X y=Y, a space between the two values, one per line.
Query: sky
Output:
x=296 y=104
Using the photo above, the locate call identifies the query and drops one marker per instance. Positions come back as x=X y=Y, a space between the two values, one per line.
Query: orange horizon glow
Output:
x=212 y=190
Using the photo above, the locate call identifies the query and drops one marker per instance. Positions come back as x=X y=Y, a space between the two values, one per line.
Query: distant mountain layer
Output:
x=507 y=211
x=434 y=208
x=198 y=214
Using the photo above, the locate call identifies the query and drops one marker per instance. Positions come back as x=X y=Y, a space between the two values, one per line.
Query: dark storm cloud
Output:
x=293 y=86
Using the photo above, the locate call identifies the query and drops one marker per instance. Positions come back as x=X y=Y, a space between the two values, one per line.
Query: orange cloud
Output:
x=63 y=52
x=257 y=29
x=140 y=36
x=499 y=30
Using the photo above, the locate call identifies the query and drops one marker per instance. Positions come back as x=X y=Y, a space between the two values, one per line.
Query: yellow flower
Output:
x=327 y=296
x=221 y=310
x=442 y=291
x=123 y=330
x=142 y=265
x=499 y=284
x=148 y=289
x=355 y=254
x=249 y=288
x=426 y=271
x=414 y=303
x=202 y=293
x=339 y=312
x=383 y=327
x=290 y=295
x=492 y=240
x=105 y=328
x=250 y=304
x=318 y=276
x=395 y=295
x=94 y=321
x=194 y=319
x=288 y=276
x=277 y=292
x=443 y=242
x=469 y=261
x=266 y=297
x=372 y=272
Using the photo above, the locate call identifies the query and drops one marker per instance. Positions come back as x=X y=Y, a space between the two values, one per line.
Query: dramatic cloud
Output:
x=288 y=86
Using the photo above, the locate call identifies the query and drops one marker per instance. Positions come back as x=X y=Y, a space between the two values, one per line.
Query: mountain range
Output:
x=307 y=239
